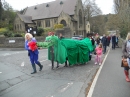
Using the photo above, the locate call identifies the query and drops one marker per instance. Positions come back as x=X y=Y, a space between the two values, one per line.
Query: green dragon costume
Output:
x=77 y=52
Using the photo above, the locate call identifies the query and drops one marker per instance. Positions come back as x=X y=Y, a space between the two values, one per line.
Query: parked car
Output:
x=77 y=37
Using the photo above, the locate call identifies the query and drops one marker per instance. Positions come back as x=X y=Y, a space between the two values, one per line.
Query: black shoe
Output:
x=41 y=68
x=52 y=67
x=65 y=66
x=57 y=66
x=34 y=72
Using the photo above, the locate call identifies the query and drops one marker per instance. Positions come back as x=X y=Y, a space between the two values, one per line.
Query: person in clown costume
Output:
x=31 y=46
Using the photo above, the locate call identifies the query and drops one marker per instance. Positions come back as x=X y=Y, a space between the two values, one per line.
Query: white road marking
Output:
x=96 y=77
x=50 y=96
x=16 y=52
x=65 y=87
x=43 y=56
x=0 y=72
x=6 y=54
x=49 y=64
x=12 y=53
x=44 y=60
x=22 y=64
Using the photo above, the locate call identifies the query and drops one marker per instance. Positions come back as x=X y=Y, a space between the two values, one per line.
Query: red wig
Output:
x=49 y=33
x=52 y=33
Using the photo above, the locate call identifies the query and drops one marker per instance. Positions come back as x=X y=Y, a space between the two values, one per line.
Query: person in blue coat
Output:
x=104 y=43
x=30 y=45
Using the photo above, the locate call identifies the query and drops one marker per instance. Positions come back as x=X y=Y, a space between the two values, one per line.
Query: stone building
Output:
x=67 y=12
x=87 y=27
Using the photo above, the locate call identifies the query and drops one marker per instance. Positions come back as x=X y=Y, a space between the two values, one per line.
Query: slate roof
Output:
x=25 y=19
x=41 y=11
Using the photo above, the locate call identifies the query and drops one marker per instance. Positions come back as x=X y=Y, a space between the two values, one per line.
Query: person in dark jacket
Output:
x=113 y=41
x=61 y=36
x=92 y=40
x=97 y=41
x=104 y=43
x=93 y=43
x=116 y=45
x=108 y=40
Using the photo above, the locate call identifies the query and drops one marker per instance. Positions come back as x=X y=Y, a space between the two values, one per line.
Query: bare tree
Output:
x=116 y=6
x=91 y=9
x=122 y=11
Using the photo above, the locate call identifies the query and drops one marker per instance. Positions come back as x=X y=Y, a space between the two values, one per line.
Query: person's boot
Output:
x=90 y=56
x=57 y=65
x=52 y=62
x=127 y=76
x=66 y=64
x=34 y=69
x=41 y=66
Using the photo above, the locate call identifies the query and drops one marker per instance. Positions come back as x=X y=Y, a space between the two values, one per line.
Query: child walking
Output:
x=98 y=56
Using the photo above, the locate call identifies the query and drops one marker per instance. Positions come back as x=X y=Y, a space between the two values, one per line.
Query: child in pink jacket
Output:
x=98 y=54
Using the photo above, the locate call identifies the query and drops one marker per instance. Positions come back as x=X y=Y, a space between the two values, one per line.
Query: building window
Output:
x=80 y=17
x=55 y=21
x=20 y=27
x=63 y=22
x=17 y=26
x=88 y=26
x=47 y=23
x=39 y=23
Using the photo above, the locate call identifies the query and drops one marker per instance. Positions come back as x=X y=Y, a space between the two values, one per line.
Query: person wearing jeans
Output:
x=30 y=45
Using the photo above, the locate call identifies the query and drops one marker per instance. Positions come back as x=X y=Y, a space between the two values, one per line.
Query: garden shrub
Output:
x=40 y=31
x=58 y=26
x=3 y=30
x=18 y=35
x=9 y=34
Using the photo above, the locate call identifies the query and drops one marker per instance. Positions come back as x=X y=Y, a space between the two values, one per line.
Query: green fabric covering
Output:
x=50 y=41
x=61 y=52
x=77 y=51
x=47 y=38
x=44 y=44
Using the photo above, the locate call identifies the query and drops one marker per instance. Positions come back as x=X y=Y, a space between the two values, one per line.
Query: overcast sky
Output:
x=105 y=5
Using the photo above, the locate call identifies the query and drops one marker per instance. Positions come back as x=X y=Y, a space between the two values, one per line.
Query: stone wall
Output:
x=66 y=32
x=18 y=42
x=15 y=42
